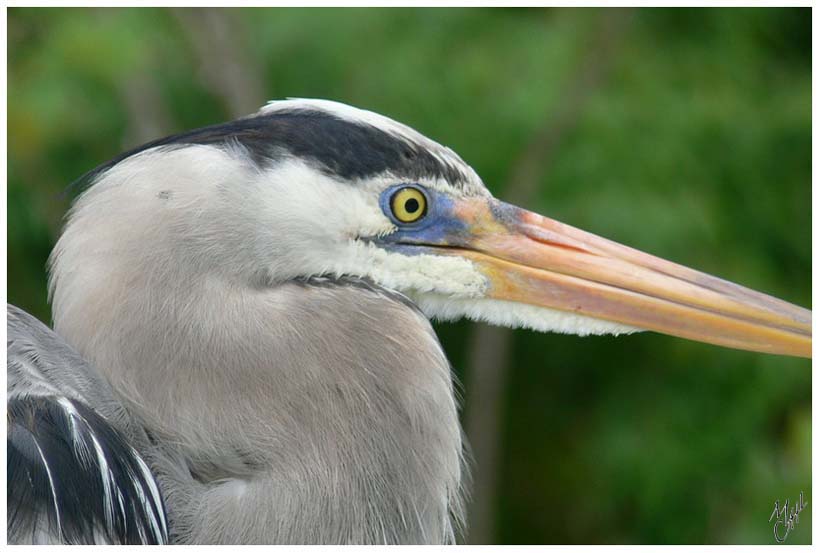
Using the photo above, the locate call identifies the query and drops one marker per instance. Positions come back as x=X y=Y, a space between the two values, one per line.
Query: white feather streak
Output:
x=51 y=485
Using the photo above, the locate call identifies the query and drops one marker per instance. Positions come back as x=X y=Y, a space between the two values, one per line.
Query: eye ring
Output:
x=408 y=204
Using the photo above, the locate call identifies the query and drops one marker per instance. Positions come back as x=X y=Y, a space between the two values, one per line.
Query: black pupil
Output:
x=411 y=205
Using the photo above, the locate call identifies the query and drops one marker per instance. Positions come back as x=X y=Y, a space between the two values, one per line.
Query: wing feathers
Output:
x=73 y=479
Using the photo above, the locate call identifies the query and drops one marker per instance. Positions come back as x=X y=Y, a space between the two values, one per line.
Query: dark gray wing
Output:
x=74 y=471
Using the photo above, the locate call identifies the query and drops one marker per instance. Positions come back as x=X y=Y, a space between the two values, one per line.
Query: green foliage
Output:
x=695 y=145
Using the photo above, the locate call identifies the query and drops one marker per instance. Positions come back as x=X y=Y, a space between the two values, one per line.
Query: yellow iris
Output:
x=408 y=205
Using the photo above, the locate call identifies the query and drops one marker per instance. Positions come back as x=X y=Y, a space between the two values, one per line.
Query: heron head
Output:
x=308 y=188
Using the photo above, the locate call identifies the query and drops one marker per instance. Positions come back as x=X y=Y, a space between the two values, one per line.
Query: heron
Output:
x=242 y=349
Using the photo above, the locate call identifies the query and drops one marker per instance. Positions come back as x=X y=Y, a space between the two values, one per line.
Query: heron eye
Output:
x=408 y=204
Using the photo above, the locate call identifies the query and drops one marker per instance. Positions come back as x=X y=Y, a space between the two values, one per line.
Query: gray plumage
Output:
x=329 y=444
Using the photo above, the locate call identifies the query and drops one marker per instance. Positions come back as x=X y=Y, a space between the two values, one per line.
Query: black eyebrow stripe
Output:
x=342 y=148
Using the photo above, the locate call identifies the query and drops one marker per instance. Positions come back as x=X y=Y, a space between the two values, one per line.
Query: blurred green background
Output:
x=685 y=133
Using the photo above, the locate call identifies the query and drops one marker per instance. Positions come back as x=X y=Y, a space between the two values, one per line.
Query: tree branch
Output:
x=225 y=66
x=490 y=347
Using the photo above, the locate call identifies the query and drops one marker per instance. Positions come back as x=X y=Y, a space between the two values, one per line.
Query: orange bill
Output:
x=535 y=260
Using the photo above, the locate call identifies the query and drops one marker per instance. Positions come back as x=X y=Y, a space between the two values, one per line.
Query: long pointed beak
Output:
x=532 y=259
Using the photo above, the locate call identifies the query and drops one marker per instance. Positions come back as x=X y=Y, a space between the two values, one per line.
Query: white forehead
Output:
x=354 y=115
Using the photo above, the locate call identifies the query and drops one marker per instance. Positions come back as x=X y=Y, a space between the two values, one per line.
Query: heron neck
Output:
x=331 y=396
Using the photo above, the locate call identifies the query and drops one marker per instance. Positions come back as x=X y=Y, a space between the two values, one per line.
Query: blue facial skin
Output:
x=438 y=227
